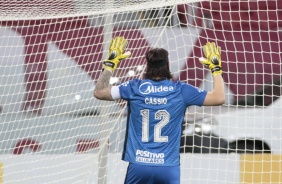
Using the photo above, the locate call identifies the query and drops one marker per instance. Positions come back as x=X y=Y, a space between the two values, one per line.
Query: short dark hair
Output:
x=157 y=64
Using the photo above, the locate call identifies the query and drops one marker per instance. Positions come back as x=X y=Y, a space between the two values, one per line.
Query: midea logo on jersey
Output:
x=147 y=88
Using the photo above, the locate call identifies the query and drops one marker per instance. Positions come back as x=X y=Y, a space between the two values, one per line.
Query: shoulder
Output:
x=189 y=87
x=129 y=86
x=131 y=81
x=181 y=84
x=128 y=83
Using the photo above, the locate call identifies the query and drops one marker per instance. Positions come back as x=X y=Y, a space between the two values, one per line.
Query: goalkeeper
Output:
x=156 y=106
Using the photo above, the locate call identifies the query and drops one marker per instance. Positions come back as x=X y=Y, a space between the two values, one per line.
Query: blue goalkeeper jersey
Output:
x=155 y=114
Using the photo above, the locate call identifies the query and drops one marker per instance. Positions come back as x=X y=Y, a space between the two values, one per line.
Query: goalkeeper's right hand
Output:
x=213 y=58
x=116 y=53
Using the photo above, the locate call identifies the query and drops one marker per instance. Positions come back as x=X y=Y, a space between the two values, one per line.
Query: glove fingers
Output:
x=117 y=42
x=212 y=60
x=123 y=44
x=125 y=55
x=219 y=50
x=213 y=47
x=112 y=44
x=204 y=61
x=206 y=50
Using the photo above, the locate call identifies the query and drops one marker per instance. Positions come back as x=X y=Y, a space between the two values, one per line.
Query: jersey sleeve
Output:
x=193 y=95
x=125 y=90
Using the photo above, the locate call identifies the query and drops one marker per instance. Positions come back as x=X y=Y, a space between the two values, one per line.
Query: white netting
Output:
x=37 y=9
x=54 y=131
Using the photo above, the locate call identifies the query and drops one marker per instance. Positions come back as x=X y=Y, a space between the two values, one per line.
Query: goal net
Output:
x=54 y=131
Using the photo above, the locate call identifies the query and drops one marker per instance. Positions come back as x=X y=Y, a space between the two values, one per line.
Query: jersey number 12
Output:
x=161 y=115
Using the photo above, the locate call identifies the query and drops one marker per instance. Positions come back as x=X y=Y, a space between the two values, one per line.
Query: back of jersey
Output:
x=156 y=111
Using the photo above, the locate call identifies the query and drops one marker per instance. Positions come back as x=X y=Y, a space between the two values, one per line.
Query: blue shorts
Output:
x=142 y=174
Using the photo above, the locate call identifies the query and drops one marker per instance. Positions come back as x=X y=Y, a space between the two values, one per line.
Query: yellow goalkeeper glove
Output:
x=116 y=53
x=213 y=58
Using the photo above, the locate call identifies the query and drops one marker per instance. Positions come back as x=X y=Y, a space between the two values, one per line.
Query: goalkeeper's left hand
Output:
x=213 y=58
x=116 y=53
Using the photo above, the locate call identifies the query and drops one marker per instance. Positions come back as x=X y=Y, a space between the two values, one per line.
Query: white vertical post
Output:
x=107 y=34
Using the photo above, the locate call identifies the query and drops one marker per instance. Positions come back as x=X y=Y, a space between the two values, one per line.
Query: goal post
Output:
x=54 y=131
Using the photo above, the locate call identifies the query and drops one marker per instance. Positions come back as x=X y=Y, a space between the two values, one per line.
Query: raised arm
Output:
x=102 y=89
x=116 y=54
x=213 y=61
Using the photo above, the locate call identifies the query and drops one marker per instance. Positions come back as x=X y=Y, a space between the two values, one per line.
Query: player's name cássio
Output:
x=155 y=101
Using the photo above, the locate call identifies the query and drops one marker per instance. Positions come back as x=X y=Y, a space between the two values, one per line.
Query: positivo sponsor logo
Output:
x=149 y=157
x=147 y=88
